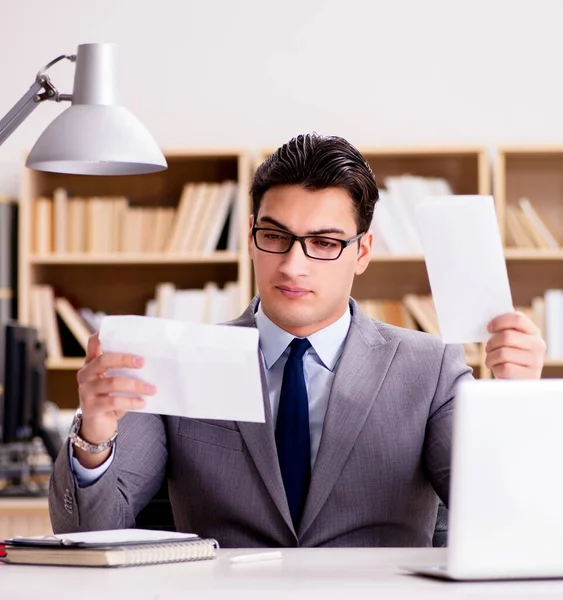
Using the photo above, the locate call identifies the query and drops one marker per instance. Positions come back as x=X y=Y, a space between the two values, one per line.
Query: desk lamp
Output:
x=94 y=136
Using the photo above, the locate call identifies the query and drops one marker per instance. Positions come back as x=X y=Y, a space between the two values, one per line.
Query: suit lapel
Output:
x=259 y=437
x=359 y=375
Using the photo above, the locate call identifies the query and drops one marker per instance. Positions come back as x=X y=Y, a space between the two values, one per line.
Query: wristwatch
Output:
x=82 y=443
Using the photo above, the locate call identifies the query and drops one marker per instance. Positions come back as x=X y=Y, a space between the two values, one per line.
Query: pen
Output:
x=244 y=558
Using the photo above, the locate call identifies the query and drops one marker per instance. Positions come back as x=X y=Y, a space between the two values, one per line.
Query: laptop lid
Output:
x=506 y=488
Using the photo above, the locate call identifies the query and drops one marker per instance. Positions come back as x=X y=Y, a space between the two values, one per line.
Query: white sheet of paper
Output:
x=465 y=264
x=200 y=371
x=113 y=536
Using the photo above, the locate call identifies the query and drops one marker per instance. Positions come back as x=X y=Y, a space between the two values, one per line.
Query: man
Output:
x=356 y=444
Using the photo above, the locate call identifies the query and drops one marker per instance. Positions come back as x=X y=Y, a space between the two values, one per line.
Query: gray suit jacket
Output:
x=383 y=456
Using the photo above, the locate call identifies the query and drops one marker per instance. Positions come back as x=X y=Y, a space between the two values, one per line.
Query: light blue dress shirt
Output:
x=318 y=367
x=319 y=363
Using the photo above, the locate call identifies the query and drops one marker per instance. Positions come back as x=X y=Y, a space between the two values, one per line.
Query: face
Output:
x=298 y=293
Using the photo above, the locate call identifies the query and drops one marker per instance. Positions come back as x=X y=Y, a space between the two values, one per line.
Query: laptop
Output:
x=506 y=488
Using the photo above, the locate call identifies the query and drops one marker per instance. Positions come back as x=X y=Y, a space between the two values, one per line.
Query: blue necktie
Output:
x=292 y=431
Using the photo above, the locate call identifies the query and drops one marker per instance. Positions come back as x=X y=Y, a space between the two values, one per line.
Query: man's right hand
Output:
x=104 y=400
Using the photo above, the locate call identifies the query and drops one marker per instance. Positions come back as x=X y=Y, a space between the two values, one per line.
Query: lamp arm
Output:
x=41 y=89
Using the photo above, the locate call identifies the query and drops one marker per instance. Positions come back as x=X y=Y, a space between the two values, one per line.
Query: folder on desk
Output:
x=115 y=548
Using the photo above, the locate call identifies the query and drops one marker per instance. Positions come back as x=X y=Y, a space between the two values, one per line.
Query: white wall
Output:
x=254 y=73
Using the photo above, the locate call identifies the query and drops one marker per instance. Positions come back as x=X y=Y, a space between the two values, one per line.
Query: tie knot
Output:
x=298 y=347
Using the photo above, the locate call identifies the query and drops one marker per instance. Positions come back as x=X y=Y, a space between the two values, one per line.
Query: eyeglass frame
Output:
x=301 y=239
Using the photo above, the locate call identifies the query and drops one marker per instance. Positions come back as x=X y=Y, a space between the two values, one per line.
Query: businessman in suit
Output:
x=355 y=450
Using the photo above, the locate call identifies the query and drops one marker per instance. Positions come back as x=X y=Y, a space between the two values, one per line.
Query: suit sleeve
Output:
x=85 y=477
x=114 y=500
x=438 y=440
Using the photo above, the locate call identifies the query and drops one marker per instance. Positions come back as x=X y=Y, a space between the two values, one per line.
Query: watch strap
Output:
x=79 y=442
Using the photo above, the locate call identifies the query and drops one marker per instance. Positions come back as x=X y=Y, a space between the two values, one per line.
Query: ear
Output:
x=364 y=253
x=250 y=240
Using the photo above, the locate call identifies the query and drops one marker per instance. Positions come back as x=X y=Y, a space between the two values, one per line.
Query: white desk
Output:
x=352 y=574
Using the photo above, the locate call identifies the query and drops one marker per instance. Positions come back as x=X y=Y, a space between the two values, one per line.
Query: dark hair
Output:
x=317 y=162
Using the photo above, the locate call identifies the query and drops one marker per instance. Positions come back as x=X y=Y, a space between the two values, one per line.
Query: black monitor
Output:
x=21 y=416
x=20 y=404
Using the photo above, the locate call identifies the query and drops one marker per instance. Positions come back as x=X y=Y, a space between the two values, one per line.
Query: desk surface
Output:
x=301 y=573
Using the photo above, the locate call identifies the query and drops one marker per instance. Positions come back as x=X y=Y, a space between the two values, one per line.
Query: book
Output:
x=112 y=548
x=538 y=222
x=73 y=321
x=60 y=221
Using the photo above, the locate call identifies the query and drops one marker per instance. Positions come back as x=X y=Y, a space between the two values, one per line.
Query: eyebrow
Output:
x=320 y=231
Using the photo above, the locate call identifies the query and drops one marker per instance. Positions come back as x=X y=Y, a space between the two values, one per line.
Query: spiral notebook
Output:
x=115 y=548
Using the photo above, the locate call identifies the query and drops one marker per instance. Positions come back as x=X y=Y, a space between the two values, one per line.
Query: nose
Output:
x=295 y=263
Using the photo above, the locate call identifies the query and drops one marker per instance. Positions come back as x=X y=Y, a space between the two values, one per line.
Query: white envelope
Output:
x=200 y=371
x=465 y=263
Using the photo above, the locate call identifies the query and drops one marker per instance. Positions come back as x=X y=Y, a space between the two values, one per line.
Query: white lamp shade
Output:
x=96 y=140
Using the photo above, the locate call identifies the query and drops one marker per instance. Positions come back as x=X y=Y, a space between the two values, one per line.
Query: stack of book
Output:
x=525 y=228
x=209 y=305
x=115 y=548
x=203 y=222
x=394 y=225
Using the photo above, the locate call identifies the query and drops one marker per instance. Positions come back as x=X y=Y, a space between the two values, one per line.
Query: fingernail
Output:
x=138 y=361
x=151 y=389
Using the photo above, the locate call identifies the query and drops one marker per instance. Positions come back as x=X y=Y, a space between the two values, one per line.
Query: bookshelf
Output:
x=392 y=276
x=535 y=173
x=122 y=282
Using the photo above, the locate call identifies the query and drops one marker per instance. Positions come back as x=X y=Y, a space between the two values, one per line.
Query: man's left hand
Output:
x=516 y=349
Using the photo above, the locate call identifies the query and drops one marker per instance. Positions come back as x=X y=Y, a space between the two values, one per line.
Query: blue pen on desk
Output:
x=255 y=557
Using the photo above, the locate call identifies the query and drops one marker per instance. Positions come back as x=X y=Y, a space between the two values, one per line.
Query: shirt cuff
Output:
x=83 y=476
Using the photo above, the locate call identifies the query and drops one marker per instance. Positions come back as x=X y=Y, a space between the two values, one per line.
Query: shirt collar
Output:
x=327 y=342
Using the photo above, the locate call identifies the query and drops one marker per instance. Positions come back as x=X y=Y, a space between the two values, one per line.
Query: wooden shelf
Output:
x=511 y=254
x=553 y=363
x=415 y=258
x=524 y=254
x=533 y=151
x=65 y=364
x=124 y=282
x=133 y=259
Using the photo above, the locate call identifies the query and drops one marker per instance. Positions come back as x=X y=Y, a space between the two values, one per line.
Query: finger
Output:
x=116 y=360
x=118 y=404
x=510 y=338
x=513 y=356
x=514 y=320
x=512 y=371
x=94 y=347
x=121 y=385
x=96 y=368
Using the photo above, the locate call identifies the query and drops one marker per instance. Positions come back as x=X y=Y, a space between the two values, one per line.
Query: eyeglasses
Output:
x=318 y=247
